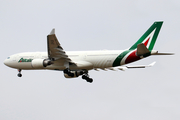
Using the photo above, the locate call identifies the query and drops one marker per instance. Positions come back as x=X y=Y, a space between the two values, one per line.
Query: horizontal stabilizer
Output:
x=155 y=52
x=142 y=49
x=163 y=54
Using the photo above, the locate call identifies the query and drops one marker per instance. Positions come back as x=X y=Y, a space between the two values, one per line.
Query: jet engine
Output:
x=40 y=63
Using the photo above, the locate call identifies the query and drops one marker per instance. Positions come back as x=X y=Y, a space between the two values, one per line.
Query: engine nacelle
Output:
x=73 y=74
x=40 y=63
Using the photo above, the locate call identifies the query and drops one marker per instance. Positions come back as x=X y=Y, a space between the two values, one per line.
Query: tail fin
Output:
x=149 y=37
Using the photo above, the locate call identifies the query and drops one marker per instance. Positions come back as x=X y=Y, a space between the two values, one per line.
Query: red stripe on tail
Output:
x=132 y=57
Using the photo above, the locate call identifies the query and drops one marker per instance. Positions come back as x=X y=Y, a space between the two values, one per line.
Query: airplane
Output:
x=78 y=63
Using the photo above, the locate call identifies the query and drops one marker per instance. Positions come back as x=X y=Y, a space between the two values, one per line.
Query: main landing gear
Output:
x=72 y=74
x=19 y=74
x=68 y=72
x=87 y=78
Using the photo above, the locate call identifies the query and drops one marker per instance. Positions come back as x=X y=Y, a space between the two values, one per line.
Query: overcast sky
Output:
x=138 y=94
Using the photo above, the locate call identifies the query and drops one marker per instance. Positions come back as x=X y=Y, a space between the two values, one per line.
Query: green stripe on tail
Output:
x=157 y=26
x=153 y=30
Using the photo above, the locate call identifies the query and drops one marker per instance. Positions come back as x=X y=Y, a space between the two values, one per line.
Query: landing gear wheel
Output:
x=71 y=74
x=86 y=77
x=66 y=71
x=90 y=80
x=19 y=75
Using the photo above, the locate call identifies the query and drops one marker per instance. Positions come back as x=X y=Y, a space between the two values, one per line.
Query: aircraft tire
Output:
x=90 y=80
x=19 y=75
x=84 y=77
x=66 y=71
x=71 y=74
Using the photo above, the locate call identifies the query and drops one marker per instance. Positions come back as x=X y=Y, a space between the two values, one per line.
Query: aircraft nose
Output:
x=6 y=62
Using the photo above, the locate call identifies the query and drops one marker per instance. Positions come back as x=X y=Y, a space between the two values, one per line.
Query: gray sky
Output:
x=138 y=94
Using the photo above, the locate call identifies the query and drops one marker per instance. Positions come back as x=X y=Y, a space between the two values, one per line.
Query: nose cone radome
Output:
x=6 y=62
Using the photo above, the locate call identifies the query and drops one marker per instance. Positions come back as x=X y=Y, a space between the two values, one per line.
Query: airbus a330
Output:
x=78 y=63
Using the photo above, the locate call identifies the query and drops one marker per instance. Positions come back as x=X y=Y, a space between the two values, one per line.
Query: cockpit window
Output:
x=8 y=58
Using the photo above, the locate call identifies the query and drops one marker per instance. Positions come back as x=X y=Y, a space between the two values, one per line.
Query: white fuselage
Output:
x=78 y=63
x=84 y=59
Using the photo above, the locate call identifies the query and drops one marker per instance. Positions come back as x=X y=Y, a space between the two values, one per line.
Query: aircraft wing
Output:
x=123 y=68
x=55 y=51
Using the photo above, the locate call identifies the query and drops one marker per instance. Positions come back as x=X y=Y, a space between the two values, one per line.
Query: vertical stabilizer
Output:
x=149 y=37
x=142 y=48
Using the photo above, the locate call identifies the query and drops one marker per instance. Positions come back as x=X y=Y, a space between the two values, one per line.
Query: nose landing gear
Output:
x=19 y=74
